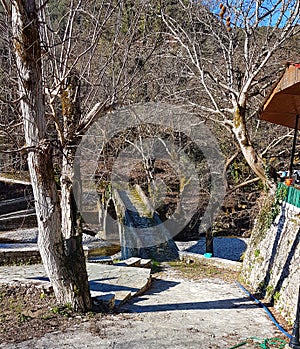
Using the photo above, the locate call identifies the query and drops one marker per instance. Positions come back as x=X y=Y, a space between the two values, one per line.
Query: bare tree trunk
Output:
x=209 y=241
x=71 y=190
x=241 y=134
x=47 y=202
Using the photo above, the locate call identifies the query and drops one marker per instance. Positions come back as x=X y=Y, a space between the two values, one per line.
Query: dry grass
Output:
x=197 y=271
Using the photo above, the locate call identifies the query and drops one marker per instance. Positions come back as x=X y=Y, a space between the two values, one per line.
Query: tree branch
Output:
x=250 y=181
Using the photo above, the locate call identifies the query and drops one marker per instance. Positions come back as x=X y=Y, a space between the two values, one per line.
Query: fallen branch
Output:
x=250 y=181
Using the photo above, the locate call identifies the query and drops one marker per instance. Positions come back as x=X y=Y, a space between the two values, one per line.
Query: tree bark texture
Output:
x=255 y=162
x=48 y=206
x=71 y=187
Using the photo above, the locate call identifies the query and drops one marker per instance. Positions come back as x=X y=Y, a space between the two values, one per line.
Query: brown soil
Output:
x=26 y=313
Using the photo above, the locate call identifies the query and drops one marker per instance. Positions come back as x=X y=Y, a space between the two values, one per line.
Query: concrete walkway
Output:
x=174 y=313
x=111 y=285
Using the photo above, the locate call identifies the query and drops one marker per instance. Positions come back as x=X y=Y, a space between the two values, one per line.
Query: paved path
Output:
x=174 y=313
x=109 y=283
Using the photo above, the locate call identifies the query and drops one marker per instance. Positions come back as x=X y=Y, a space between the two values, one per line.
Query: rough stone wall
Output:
x=271 y=264
x=16 y=257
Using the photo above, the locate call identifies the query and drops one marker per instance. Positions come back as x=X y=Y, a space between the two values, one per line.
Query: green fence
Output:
x=292 y=194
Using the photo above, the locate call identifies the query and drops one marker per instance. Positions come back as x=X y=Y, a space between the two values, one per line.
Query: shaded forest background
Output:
x=126 y=53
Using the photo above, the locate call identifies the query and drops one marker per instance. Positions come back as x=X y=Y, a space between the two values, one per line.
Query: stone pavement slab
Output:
x=122 y=283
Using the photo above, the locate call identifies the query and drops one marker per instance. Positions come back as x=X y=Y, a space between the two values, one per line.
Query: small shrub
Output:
x=64 y=310
x=43 y=295
x=276 y=296
x=23 y=318
x=269 y=290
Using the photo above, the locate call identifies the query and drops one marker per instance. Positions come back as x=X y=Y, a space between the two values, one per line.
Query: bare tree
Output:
x=62 y=51
x=227 y=51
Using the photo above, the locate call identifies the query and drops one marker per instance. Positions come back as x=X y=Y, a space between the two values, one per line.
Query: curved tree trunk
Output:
x=68 y=285
x=253 y=159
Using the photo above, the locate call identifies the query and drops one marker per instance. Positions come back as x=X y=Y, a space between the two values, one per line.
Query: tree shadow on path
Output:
x=159 y=286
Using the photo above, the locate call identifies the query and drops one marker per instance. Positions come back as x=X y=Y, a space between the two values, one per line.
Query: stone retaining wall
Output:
x=271 y=264
x=19 y=220
x=18 y=257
